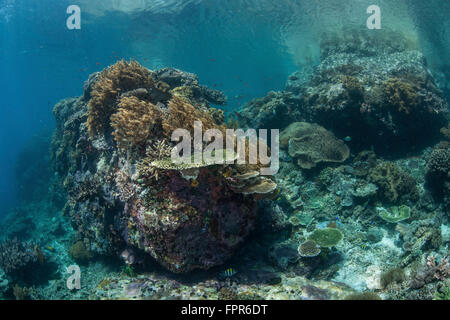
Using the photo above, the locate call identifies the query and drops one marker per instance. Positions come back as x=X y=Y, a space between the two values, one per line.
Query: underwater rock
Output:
x=386 y=98
x=106 y=152
x=309 y=144
x=274 y=111
x=377 y=92
x=374 y=234
x=315 y=293
x=284 y=254
x=187 y=82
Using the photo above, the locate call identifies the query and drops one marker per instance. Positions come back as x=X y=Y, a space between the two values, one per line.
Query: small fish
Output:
x=228 y=273
x=98 y=63
x=337 y=218
x=194 y=183
x=49 y=248
x=348 y=139
x=227 y=173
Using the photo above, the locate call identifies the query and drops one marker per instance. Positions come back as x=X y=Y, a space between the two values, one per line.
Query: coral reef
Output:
x=310 y=144
x=308 y=249
x=384 y=98
x=17 y=256
x=108 y=86
x=123 y=192
x=393 y=183
x=276 y=110
x=134 y=122
x=79 y=253
x=438 y=171
x=432 y=271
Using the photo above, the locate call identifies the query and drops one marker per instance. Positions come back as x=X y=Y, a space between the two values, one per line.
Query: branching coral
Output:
x=16 y=256
x=118 y=78
x=134 y=121
x=433 y=271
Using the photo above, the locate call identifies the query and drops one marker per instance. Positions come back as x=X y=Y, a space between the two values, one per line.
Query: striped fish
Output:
x=228 y=273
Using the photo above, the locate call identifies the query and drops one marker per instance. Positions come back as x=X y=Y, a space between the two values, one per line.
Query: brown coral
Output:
x=111 y=82
x=310 y=144
x=79 y=253
x=134 y=121
x=401 y=94
x=182 y=115
x=392 y=182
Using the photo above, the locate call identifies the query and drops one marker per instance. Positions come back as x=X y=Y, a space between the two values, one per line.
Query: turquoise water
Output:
x=278 y=63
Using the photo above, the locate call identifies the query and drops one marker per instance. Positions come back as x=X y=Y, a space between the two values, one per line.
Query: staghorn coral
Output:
x=310 y=144
x=134 y=121
x=110 y=83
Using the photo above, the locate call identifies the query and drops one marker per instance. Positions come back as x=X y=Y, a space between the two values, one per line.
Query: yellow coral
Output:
x=111 y=82
x=182 y=115
x=134 y=121
x=401 y=94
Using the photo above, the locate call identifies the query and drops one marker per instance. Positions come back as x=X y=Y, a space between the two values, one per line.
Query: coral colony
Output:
x=337 y=187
